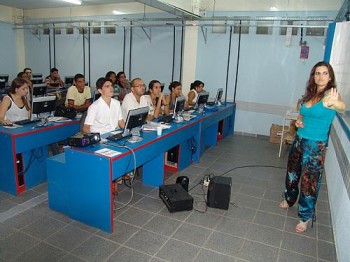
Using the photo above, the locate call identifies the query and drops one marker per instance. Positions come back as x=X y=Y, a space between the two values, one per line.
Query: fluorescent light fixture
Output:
x=75 y=2
x=273 y=9
x=116 y=12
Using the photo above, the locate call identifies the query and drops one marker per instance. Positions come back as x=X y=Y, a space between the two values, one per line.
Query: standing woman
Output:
x=15 y=106
x=155 y=99
x=318 y=107
x=196 y=88
x=175 y=91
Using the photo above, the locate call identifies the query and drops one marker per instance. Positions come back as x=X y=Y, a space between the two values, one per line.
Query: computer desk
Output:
x=80 y=180
x=24 y=151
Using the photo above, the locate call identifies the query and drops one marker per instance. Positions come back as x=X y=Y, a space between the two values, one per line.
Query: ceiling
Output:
x=35 y=4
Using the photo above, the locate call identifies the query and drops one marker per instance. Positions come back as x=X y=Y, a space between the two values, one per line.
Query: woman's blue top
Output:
x=317 y=120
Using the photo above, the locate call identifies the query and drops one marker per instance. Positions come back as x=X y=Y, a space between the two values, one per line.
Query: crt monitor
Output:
x=179 y=105
x=39 y=89
x=4 y=78
x=37 y=75
x=44 y=104
x=202 y=99
x=218 y=97
x=37 y=81
x=136 y=118
x=69 y=80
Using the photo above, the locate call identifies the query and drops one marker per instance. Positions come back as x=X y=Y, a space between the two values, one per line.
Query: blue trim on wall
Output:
x=329 y=42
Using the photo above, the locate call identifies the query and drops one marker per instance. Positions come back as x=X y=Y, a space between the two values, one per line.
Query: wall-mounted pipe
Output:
x=228 y=63
x=174 y=46
x=238 y=57
x=130 y=51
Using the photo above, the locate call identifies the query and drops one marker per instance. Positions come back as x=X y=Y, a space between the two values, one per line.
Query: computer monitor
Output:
x=69 y=80
x=37 y=75
x=136 y=119
x=37 y=81
x=218 y=97
x=42 y=105
x=4 y=78
x=2 y=84
x=39 y=89
x=202 y=99
x=179 y=107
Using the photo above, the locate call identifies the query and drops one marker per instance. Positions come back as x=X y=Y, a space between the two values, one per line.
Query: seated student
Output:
x=78 y=96
x=196 y=88
x=175 y=91
x=113 y=77
x=15 y=106
x=132 y=100
x=155 y=99
x=104 y=115
x=123 y=84
x=53 y=81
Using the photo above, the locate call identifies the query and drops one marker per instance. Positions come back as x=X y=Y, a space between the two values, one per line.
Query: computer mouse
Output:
x=7 y=124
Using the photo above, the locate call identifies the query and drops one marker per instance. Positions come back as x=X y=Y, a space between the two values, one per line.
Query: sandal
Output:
x=302 y=226
x=284 y=204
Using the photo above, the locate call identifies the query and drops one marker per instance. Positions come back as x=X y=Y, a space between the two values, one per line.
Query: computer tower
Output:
x=173 y=154
x=219 y=192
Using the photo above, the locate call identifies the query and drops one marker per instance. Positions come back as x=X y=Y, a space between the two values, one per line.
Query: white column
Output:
x=189 y=63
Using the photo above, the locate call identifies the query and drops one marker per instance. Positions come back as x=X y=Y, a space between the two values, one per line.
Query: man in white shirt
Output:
x=79 y=96
x=104 y=115
x=132 y=100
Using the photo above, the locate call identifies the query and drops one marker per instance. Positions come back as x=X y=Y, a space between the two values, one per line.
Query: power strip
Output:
x=206 y=182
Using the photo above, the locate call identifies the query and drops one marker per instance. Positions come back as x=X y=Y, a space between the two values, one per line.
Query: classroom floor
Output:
x=254 y=228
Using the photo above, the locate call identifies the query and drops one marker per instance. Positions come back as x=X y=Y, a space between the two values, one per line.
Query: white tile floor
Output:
x=253 y=229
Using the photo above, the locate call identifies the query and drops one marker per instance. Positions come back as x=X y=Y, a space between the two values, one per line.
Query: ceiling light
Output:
x=116 y=12
x=76 y=2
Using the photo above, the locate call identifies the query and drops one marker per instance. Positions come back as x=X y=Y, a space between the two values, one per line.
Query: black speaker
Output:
x=183 y=181
x=219 y=192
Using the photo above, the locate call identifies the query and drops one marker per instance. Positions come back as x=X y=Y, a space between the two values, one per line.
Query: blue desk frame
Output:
x=28 y=141
x=80 y=181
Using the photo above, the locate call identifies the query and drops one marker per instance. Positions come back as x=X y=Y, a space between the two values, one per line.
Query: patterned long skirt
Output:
x=305 y=163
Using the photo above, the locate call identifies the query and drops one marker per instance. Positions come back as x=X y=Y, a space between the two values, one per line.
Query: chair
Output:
x=290 y=115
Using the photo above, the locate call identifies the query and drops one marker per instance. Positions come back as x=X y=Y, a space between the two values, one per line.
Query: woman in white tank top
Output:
x=15 y=105
x=196 y=88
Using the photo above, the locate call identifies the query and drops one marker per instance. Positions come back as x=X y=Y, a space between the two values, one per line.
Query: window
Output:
x=244 y=24
x=284 y=26
x=264 y=27
x=110 y=28
x=316 y=31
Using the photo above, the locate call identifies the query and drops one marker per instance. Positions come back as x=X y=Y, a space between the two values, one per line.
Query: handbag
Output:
x=65 y=111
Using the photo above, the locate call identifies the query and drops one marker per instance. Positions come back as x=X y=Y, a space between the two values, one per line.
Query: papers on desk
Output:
x=107 y=152
x=59 y=119
x=152 y=126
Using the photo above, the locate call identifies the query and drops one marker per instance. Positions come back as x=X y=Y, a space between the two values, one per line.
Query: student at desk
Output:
x=155 y=100
x=78 y=96
x=196 y=88
x=175 y=91
x=104 y=115
x=15 y=105
x=53 y=81
x=132 y=100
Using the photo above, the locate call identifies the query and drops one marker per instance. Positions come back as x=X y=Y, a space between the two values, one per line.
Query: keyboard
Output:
x=165 y=119
x=116 y=137
x=26 y=122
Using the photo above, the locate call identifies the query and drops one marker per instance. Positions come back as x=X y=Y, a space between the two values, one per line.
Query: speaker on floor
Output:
x=183 y=181
x=219 y=192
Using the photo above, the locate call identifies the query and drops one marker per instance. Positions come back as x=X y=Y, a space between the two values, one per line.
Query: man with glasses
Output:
x=132 y=100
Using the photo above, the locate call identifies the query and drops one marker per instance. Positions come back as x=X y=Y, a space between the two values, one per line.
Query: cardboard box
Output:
x=276 y=133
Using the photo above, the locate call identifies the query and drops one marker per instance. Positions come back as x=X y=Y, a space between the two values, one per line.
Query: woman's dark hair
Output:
x=101 y=81
x=174 y=85
x=311 y=87
x=17 y=83
x=20 y=74
x=195 y=84
x=109 y=73
x=151 y=84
